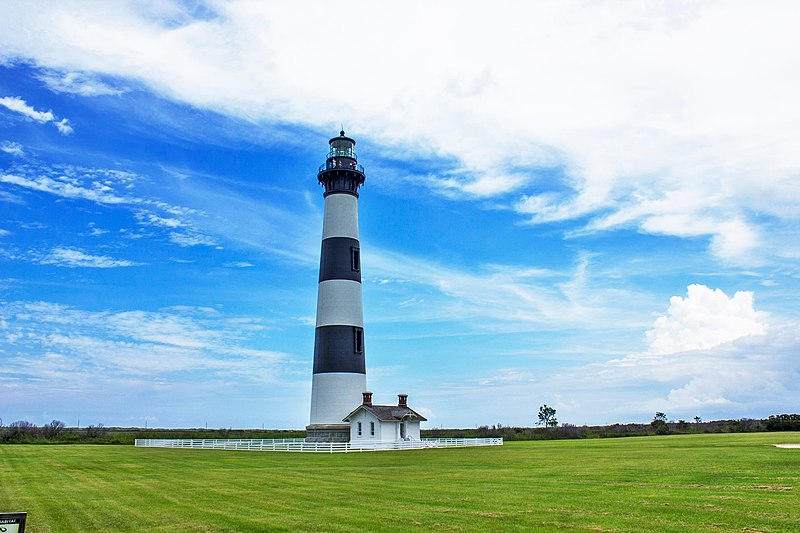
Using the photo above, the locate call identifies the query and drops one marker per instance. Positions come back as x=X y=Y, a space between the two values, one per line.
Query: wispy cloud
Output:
x=17 y=104
x=56 y=342
x=110 y=187
x=79 y=83
x=12 y=148
x=624 y=139
x=73 y=258
x=68 y=185
x=239 y=264
x=192 y=239
x=499 y=297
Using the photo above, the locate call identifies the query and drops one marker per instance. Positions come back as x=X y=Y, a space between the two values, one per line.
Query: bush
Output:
x=53 y=429
x=783 y=423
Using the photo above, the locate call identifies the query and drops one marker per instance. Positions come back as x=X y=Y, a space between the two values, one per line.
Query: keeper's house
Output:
x=383 y=423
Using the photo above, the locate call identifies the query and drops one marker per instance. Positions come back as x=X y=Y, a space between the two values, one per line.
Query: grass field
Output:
x=730 y=482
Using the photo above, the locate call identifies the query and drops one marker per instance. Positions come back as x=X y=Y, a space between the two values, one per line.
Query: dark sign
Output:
x=12 y=522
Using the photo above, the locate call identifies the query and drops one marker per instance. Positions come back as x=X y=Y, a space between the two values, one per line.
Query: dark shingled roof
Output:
x=388 y=413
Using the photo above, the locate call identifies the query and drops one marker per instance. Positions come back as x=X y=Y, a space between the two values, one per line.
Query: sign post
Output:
x=12 y=522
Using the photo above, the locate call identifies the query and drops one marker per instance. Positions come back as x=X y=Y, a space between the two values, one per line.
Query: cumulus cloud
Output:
x=707 y=352
x=72 y=258
x=63 y=126
x=710 y=354
x=17 y=104
x=704 y=319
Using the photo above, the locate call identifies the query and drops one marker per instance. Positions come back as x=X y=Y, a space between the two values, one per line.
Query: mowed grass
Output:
x=731 y=482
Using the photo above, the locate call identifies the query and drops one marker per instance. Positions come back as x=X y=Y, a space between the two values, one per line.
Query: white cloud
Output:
x=66 y=187
x=114 y=188
x=15 y=103
x=151 y=219
x=627 y=101
x=499 y=297
x=753 y=376
x=12 y=148
x=95 y=231
x=709 y=353
x=71 y=346
x=239 y=264
x=63 y=126
x=192 y=239
x=6 y=196
x=704 y=319
x=70 y=257
x=79 y=83
x=4 y=232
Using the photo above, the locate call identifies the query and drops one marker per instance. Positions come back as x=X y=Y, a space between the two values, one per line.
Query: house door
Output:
x=403 y=430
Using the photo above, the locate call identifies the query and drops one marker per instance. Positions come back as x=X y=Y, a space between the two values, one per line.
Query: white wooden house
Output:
x=383 y=423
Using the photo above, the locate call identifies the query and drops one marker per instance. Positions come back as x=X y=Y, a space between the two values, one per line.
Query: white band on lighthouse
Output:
x=333 y=394
x=339 y=303
x=341 y=216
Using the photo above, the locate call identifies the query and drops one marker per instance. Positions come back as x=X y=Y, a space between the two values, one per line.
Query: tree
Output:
x=95 y=431
x=547 y=416
x=697 y=420
x=659 y=423
x=53 y=428
x=19 y=429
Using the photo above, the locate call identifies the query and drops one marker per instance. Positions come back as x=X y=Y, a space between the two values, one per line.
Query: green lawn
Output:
x=730 y=482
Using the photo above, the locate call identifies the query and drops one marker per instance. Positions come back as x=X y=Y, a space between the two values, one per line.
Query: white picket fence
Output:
x=300 y=445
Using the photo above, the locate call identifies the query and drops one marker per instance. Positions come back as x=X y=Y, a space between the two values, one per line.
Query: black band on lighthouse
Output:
x=339 y=349
x=340 y=259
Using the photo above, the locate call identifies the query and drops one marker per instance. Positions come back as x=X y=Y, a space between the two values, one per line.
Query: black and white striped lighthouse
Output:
x=340 y=376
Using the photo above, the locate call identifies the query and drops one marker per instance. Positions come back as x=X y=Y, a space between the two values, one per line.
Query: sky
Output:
x=590 y=205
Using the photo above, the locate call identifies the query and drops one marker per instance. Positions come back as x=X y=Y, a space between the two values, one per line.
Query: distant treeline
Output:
x=656 y=427
x=56 y=432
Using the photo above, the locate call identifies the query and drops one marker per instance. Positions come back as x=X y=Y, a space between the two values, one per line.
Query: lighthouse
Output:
x=339 y=377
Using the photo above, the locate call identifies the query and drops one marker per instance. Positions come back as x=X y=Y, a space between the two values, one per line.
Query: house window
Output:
x=358 y=340
x=372 y=429
x=359 y=429
x=355 y=258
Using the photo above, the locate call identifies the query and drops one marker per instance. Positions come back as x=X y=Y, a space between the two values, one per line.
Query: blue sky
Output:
x=590 y=206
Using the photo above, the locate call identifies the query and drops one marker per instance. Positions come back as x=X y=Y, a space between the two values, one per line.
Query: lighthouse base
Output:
x=328 y=433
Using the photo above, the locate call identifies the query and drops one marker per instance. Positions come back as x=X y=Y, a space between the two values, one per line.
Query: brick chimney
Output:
x=402 y=400
x=367 y=398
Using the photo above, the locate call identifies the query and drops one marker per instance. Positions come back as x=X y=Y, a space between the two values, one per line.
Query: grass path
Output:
x=731 y=482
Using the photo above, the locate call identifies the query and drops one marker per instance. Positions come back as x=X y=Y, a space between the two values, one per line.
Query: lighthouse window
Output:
x=358 y=340
x=355 y=258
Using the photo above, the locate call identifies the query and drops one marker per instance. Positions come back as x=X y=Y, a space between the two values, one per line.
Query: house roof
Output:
x=388 y=413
